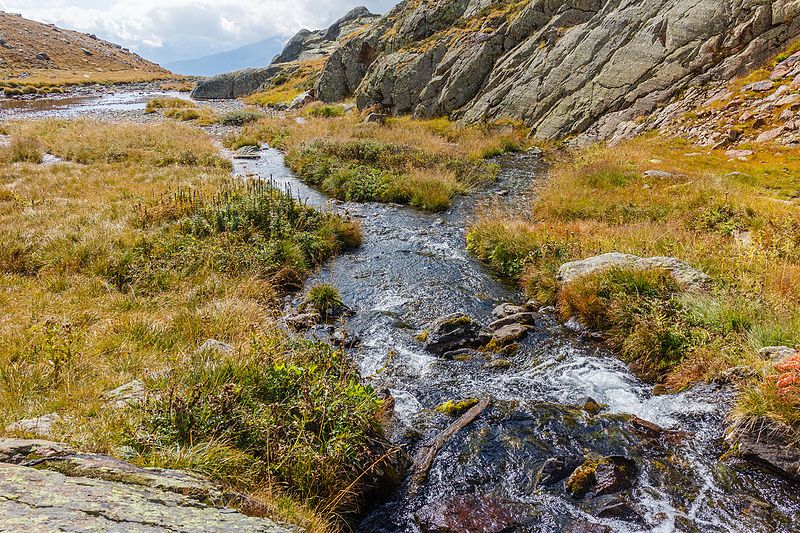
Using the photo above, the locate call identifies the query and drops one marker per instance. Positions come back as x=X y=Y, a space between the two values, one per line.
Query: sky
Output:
x=169 y=30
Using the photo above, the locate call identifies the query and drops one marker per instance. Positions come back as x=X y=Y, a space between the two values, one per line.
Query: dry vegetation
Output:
x=284 y=87
x=421 y=163
x=736 y=220
x=118 y=263
x=38 y=56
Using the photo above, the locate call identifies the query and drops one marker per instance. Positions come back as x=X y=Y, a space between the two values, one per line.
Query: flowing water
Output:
x=413 y=268
x=109 y=104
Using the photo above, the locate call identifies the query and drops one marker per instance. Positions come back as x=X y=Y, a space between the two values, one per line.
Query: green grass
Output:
x=365 y=171
x=324 y=111
x=323 y=298
x=735 y=220
x=120 y=263
x=293 y=412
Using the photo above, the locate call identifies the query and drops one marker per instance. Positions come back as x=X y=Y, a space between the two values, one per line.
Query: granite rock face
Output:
x=46 y=486
x=561 y=66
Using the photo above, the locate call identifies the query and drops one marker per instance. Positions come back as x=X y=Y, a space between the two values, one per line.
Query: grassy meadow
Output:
x=118 y=262
x=423 y=163
x=736 y=220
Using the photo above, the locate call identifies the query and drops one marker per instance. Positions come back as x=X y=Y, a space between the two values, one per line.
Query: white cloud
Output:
x=181 y=29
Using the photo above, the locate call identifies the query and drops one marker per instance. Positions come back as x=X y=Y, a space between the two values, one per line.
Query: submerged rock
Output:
x=690 y=278
x=507 y=309
x=247 y=152
x=475 y=513
x=509 y=334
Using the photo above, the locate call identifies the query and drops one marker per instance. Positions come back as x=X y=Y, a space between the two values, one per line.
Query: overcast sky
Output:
x=168 y=30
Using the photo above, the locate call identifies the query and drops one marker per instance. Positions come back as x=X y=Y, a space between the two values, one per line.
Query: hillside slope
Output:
x=32 y=52
x=305 y=53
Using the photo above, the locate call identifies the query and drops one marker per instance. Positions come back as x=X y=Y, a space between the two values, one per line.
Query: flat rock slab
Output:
x=42 y=500
x=46 y=486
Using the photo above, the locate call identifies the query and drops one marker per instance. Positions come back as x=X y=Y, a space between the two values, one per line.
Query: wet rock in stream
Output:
x=455 y=332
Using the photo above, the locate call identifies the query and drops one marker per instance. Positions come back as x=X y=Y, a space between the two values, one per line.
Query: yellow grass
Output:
x=69 y=332
x=739 y=221
x=41 y=77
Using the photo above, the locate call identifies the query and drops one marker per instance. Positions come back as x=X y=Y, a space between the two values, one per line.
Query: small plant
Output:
x=167 y=103
x=239 y=118
x=457 y=408
x=325 y=111
x=184 y=115
x=323 y=298
x=26 y=149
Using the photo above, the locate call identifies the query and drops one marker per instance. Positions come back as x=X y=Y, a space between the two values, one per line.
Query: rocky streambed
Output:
x=559 y=434
x=568 y=439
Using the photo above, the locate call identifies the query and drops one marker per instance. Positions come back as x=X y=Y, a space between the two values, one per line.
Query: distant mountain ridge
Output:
x=248 y=56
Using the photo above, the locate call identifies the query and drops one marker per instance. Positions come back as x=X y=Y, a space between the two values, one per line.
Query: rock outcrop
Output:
x=50 y=486
x=562 y=67
x=306 y=46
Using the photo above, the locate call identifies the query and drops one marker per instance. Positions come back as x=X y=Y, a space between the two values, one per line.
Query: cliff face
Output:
x=561 y=66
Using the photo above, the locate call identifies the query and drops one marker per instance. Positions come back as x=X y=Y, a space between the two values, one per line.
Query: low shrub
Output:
x=292 y=412
x=168 y=103
x=26 y=149
x=239 y=118
x=324 y=111
x=323 y=298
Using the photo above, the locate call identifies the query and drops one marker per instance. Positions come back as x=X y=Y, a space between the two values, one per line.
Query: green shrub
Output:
x=291 y=411
x=245 y=228
x=325 y=111
x=324 y=298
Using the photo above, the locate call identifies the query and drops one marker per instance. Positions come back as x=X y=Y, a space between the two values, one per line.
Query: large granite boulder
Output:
x=234 y=84
x=688 y=277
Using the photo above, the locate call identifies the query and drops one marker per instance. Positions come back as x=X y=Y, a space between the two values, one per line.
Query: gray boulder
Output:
x=690 y=278
x=91 y=492
x=776 y=354
x=42 y=425
x=234 y=84
x=769 y=442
